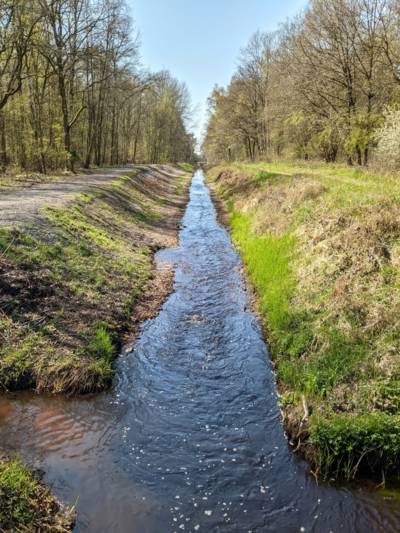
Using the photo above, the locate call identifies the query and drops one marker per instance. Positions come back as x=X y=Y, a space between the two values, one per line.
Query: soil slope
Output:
x=81 y=274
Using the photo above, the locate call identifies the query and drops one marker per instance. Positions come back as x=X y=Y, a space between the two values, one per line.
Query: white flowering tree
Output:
x=388 y=137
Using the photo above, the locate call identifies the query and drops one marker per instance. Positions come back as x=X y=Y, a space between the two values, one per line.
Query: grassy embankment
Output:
x=69 y=283
x=322 y=247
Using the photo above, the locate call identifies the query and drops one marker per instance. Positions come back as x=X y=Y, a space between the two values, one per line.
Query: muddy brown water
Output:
x=190 y=437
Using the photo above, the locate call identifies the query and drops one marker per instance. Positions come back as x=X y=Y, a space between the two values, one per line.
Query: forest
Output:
x=72 y=90
x=324 y=86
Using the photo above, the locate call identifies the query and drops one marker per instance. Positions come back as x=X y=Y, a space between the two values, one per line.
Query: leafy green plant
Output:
x=346 y=443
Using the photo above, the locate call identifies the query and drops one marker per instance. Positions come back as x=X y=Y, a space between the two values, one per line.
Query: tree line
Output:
x=72 y=90
x=326 y=85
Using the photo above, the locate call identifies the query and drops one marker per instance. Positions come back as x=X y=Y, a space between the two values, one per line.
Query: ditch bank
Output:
x=81 y=277
x=323 y=257
x=74 y=284
x=27 y=505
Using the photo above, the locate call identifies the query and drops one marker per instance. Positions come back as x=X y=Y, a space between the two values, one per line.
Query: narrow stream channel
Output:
x=190 y=437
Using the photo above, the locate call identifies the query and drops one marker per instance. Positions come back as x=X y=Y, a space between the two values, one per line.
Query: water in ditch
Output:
x=190 y=437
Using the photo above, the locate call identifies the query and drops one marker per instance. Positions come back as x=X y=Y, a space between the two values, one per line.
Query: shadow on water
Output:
x=190 y=437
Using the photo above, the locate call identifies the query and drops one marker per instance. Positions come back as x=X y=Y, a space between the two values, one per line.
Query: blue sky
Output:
x=199 y=41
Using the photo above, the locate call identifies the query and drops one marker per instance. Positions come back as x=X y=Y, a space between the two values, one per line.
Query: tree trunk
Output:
x=3 y=143
x=366 y=156
x=359 y=156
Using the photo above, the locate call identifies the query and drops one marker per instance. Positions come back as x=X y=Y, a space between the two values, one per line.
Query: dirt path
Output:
x=22 y=206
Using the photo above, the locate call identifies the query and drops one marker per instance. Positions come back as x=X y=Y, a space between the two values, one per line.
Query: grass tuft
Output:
x=102 y=346
x=25 y=505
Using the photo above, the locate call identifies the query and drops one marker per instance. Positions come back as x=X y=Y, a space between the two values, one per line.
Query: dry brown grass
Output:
x=353 y=262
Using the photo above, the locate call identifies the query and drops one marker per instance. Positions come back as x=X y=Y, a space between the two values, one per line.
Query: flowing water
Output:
x=190 y=438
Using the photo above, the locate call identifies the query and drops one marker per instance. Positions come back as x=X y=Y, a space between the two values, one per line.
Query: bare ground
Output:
x=22 y=205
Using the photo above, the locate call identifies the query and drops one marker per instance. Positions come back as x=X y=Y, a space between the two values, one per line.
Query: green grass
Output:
x=24 y=503
x=268 y=262
x=17 y=492
x=17 y=362
x=102 y=345
x=346 y=184
x=187 y=167
x=321 y=245
x=268 y=259
x=346 y=444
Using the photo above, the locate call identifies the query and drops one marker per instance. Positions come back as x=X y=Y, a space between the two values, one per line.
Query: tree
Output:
x=17 y=24
x=72 y=89
x=317 y=89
